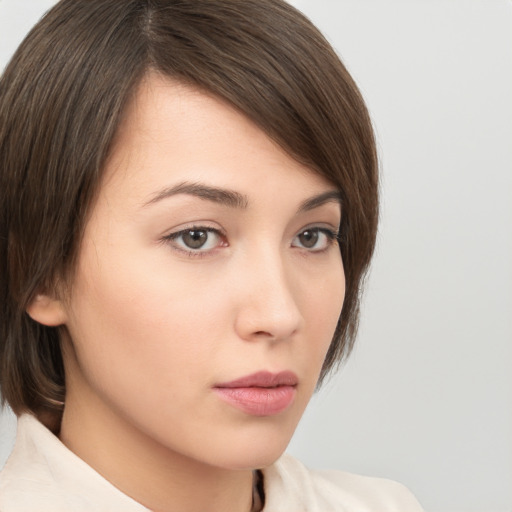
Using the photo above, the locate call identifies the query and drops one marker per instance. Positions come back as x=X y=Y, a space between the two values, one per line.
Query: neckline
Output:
x=258 y=491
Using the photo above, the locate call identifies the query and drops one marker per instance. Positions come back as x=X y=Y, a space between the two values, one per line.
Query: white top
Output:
x=43 y=475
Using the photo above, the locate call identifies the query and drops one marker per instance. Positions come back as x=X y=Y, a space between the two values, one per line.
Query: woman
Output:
x=188 y=209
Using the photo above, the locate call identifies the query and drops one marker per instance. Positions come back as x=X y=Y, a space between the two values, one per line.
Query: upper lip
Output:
x=263 y=379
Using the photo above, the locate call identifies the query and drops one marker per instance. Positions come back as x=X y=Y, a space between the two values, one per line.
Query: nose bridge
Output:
x=269 y=304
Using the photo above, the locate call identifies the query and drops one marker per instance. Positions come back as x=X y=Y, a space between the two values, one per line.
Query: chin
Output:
x=251 y=460
x=255 y=449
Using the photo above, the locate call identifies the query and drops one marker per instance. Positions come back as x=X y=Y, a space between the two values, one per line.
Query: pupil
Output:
x=309 y=238
x=195 y=239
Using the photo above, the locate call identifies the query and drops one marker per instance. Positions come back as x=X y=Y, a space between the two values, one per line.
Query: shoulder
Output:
x=42 y=474
x=290 y=486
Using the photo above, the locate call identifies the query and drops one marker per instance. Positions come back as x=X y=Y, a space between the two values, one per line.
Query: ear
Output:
x=47 y=310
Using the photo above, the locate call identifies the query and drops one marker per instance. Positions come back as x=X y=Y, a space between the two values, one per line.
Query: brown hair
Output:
x=62 y=97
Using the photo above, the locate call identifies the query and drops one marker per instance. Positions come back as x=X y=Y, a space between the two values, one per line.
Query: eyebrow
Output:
x=235 y=199
x=331 y=196
x=217 y=195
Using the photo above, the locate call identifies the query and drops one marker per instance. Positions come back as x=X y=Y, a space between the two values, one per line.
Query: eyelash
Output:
x=199 y=253
x=331 y=235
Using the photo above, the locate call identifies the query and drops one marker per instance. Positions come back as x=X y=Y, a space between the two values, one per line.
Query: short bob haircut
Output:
x=62 y=99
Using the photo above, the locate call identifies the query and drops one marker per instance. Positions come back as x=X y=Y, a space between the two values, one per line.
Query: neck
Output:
x=150 y=473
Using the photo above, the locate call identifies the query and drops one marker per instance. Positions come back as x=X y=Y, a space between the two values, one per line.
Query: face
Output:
x=209 y=282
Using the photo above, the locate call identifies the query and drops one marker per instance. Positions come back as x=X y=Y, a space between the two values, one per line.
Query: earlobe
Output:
x=47 y=310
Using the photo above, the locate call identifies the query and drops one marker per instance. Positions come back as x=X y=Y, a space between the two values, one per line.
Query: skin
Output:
x=149 y=326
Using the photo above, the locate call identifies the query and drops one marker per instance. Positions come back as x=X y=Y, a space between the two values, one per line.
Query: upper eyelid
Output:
x=194 y=228
x=334 y=233
x=174 y=235
x=204 y=225
x=170 y=239
x=198 y=226
x=322 y=226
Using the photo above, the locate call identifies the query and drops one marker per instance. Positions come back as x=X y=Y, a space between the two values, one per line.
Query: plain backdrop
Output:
x=426 y=397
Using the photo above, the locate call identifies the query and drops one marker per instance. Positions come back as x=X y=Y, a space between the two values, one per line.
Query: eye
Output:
x=196 y=239
x=315 y=239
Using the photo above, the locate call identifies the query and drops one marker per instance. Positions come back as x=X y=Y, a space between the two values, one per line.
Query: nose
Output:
x=268 y=305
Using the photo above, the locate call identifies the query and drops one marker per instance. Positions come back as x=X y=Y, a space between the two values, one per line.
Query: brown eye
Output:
x=194 y=238
x=315 y=239
x=309 y=238
x=200 y=240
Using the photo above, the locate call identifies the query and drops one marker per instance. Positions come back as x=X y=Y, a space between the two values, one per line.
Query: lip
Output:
x=260 y=394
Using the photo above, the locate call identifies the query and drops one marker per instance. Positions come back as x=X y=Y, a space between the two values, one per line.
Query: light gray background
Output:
x=426 y=397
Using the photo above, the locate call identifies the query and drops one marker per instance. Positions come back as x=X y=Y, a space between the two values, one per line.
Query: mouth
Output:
x=260 y=394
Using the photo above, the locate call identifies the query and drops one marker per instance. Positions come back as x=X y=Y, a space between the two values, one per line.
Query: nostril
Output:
x=264 y=333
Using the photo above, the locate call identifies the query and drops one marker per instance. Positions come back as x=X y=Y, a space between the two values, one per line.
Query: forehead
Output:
x=173 y=132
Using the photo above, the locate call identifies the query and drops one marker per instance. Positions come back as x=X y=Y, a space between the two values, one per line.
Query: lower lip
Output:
x=259 y=401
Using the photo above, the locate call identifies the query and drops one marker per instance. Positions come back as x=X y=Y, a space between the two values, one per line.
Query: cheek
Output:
x=323 y=300
x=324 y=295
x=134 y=320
